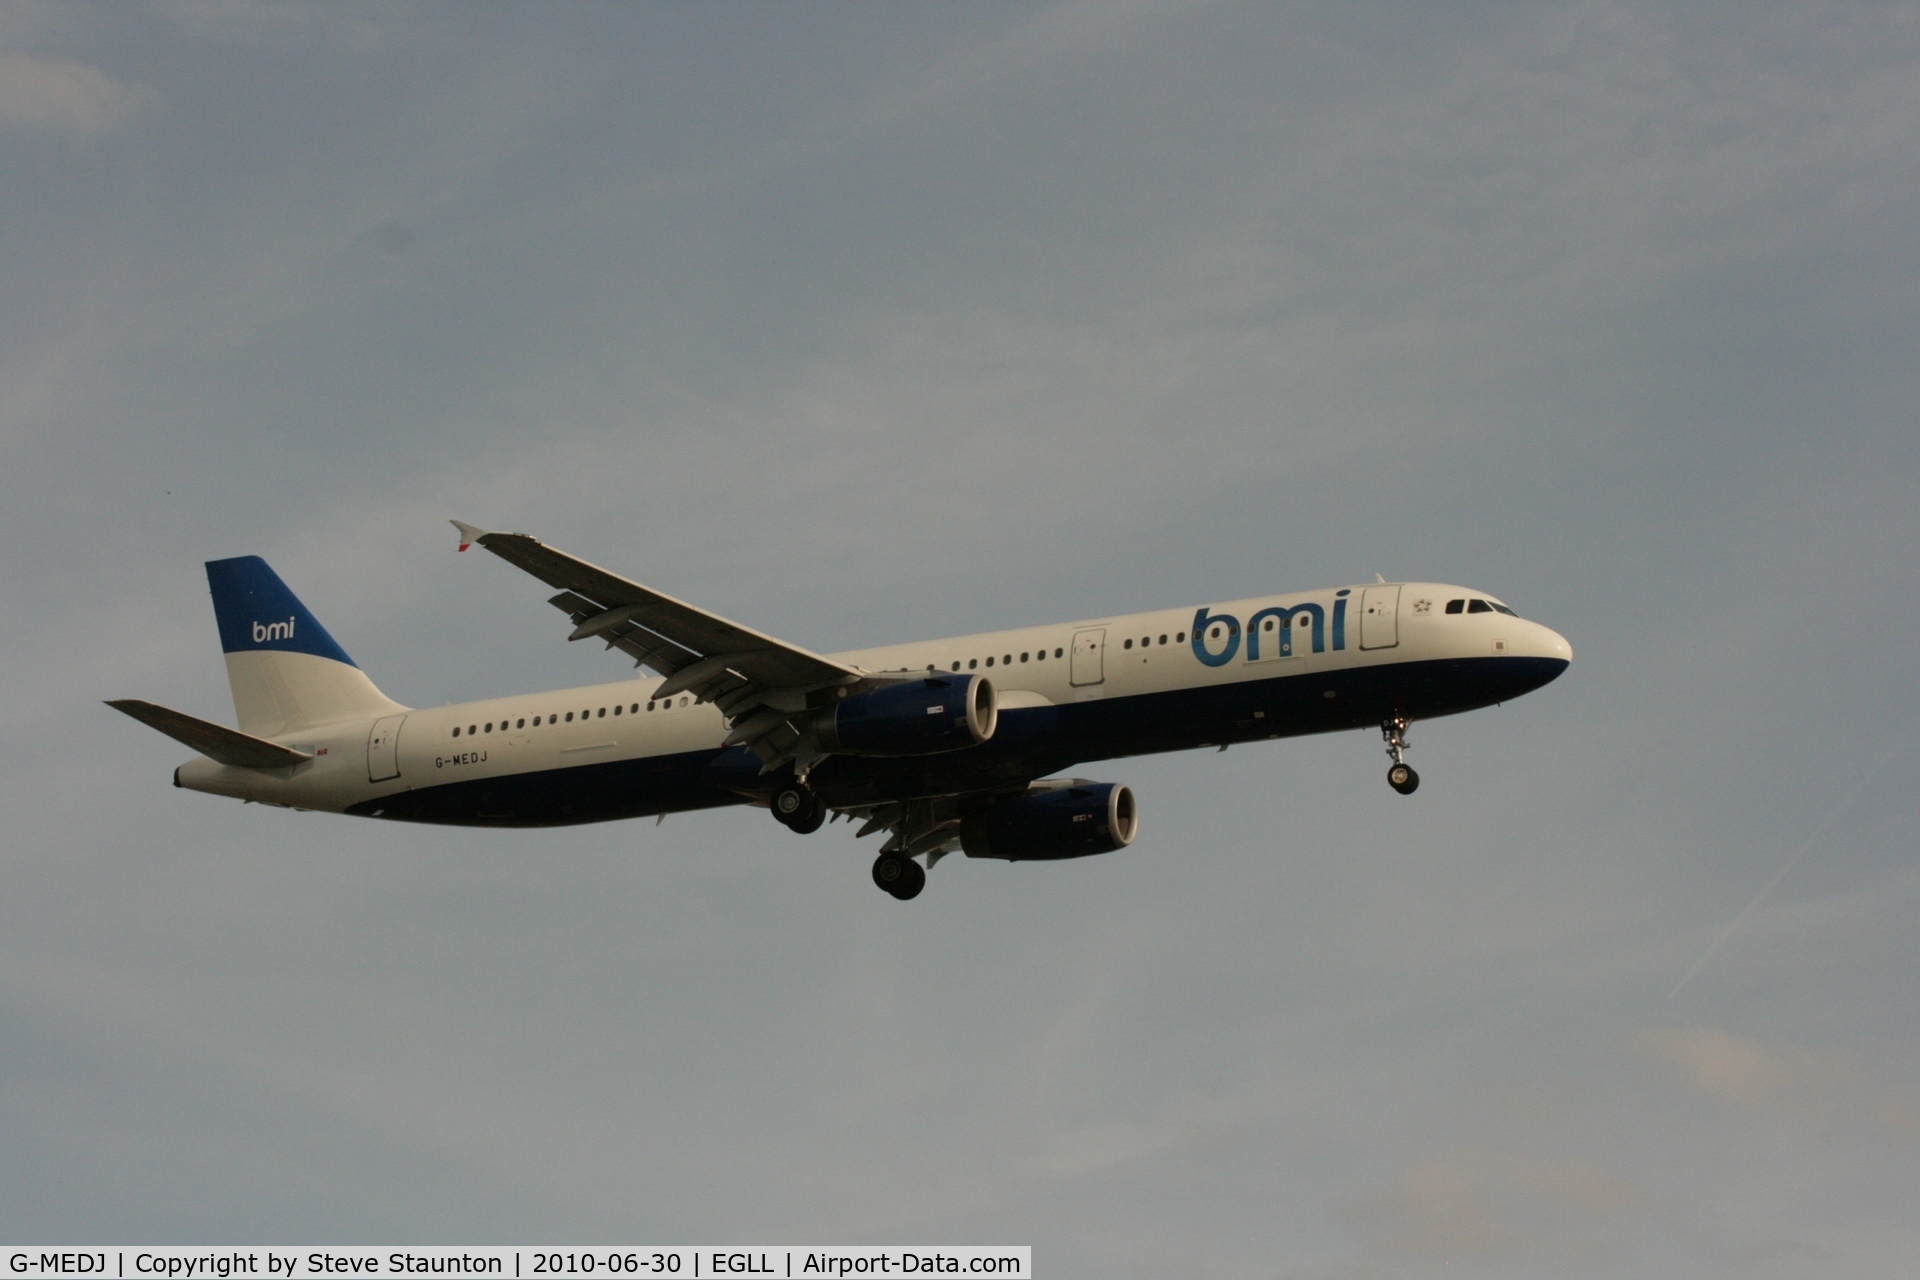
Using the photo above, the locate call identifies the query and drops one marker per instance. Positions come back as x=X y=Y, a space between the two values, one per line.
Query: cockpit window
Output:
x=1455 y=606
x=1500 y=608
x=1479 y=606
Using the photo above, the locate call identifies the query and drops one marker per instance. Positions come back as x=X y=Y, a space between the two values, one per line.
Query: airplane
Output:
x=945 y=745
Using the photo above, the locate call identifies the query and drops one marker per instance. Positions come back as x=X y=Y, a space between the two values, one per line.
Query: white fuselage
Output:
x=360 y=762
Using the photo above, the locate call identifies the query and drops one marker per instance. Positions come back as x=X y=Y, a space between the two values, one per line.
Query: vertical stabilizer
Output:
x=287 y=672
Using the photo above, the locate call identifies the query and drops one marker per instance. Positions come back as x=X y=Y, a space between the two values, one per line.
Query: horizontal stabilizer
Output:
x=215 y=741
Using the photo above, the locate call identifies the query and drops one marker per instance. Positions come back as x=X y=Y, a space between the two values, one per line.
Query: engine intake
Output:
x=915 y=717
x=1074 y=821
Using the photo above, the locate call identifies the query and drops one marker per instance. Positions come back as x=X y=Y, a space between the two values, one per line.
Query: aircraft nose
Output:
x=1553 y=645
x=1548 y=652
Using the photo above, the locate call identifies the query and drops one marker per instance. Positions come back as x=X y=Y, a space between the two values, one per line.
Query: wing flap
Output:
x=740 y=670
x=695 y=632
x=215 y=741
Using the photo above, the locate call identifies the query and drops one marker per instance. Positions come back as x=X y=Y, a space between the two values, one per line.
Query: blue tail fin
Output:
x=257 y=611
x=287 y=673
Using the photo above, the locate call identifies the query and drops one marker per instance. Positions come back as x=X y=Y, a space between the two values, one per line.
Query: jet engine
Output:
x=1071 y=821
x=914 y=717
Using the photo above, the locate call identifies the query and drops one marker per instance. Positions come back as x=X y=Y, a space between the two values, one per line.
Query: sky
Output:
x=864 y=324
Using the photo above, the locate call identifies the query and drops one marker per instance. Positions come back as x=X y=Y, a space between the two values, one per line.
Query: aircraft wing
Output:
x=759 y=683
x=215 y=741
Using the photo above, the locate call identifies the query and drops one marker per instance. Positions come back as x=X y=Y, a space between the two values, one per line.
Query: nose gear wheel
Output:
x=1401 y=776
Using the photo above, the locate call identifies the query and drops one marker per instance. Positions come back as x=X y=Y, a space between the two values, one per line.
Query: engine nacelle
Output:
x=1073 y=821
x=914 y=717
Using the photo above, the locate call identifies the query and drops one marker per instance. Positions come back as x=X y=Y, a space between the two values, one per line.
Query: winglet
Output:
x=468 y=533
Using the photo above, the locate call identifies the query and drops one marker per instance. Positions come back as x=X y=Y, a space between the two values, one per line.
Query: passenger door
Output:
x=1089 y=663
x=1380 y=617
x=383 y=749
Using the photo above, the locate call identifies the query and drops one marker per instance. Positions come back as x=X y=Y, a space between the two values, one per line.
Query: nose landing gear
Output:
x=1401 y=776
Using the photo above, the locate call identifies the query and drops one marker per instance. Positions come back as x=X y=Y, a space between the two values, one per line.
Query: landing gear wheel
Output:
x=797 y=808
x=902 y=877
x=811 y=821
x=1401 y=777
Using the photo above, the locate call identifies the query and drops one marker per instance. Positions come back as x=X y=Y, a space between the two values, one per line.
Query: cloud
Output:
x=1481 y=1206
x=1748 y=1073
x=1869 y=1092
x=60 y=93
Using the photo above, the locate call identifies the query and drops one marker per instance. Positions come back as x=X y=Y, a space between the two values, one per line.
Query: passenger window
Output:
x=1163 y=639
x=1023 y=657
x=472 y=729
x=972 y=663
x=603 y=713
x=569 y=717
x=1479 y=606
x=1455 y=606
x=1213 y=634
x=649 y=706
x=520 y=724
x=456 y=731
x=1127 y=645
x=1040 y=656
x=1007 y=661
x=1180 y=638
x=683 y=702
x=635 y=708
x=989 y=661
x=1058 y=652
x=617 y=709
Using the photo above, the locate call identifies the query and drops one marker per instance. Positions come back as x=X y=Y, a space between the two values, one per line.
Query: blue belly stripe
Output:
x=1030 y=743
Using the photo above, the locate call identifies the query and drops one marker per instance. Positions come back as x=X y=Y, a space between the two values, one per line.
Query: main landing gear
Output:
x=1401 y=776
x=898 y=875
x=797 y=808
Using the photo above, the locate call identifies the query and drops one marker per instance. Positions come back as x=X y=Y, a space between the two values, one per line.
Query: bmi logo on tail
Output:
x=265 y=631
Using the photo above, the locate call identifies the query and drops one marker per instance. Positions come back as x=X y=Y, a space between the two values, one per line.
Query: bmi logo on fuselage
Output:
x=265 y=631
x=1272 y=626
